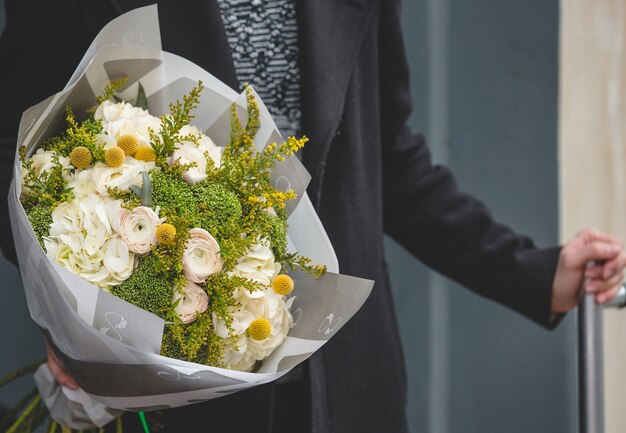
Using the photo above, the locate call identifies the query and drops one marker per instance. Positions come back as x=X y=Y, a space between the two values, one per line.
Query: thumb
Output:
x=593 y=251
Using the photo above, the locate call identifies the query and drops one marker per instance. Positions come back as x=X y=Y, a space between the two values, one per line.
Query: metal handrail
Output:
x=590 y=363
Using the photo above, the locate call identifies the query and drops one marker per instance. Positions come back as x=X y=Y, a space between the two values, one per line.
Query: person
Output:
x=345 y=85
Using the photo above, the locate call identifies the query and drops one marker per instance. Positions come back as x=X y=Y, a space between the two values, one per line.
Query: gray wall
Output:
x=484 y=79
x=485 y=92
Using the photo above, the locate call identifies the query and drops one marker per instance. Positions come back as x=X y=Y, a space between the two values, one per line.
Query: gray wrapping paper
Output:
x=112 y=347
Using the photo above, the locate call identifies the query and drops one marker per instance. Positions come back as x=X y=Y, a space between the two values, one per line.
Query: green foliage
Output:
x=146 y=288
x=164 y=141
x=295 y=260
x=78 y=134
x=40 y=218
x=46 y=188
x=275 y=229
x=172 y=194
x=220 y=208
x=110 y=89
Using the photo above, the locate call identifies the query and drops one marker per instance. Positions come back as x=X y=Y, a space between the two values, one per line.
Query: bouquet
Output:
x=166 y=243
x=150 y=210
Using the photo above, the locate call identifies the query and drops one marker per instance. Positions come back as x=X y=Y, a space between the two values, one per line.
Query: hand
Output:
x=58 y=371
x=593 y=262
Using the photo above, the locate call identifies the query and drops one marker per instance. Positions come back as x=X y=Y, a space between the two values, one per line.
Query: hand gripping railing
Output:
x=590 y=363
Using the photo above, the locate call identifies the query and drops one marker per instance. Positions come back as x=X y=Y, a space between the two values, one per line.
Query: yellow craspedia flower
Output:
x=145 y=153
x=114 y=156
x=283 y=284
x=80 y=157
x=166 y=234
x=128 y=143
x=260 y=329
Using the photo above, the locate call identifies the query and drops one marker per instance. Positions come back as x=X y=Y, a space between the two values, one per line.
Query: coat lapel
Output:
x=330 y=32
x=193 y=30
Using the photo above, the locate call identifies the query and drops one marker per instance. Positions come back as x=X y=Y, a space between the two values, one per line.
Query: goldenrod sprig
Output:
x=164 y=141
x=110 y=89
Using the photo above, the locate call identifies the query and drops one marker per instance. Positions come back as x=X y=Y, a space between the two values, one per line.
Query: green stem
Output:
x=144 y=422
x=52 y=427
x=19 y=372
x=18 y=407
x=31 y=407
x=118 y=428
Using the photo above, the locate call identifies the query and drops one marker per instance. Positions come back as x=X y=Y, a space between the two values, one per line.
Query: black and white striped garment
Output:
x=263 y=36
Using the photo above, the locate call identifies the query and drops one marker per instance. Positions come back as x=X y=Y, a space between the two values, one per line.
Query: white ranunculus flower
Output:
x=106 y=140
x=188 y=153
x=119 y=118
x=122 y=177
x=109 y=111
x=205 y=144
x=138 y=229
x=192 y=301
x=201 y=257
x=258 y=264
x=240 y=351
x=43 y=160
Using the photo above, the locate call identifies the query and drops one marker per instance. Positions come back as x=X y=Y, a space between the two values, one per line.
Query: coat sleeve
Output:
x=446 y=229
x=40 y=47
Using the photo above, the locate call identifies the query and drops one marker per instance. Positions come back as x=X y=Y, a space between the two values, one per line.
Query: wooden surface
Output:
x=592 y=150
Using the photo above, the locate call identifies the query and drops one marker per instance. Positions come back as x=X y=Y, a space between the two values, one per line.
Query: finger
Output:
x=592 y=235
x=613 y=266
x=608 y=295
x=594 y=271
x=59 y=372
x=600 y=285
x=592 y=251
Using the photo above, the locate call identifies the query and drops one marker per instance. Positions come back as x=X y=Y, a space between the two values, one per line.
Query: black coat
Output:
x=371 y=176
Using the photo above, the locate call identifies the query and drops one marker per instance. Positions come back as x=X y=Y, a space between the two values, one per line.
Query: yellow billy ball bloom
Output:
x=145 y=153
x=166 y=234
x=80 y=157
x=114 y=156
x=283 y=284
x=128 y=143
x=260 y=329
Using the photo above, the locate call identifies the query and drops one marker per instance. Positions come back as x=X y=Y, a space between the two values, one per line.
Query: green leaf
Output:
x=146 y=189
x=142 y=101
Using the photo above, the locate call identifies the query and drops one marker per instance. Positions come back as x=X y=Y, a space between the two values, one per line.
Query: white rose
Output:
x=122 y=177
x=258 y=264
x=138 y=229
x=191 y=302
x=188 y=153
x=201 y=257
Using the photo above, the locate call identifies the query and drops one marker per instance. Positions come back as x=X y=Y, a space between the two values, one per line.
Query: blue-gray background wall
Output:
x=484 y=86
